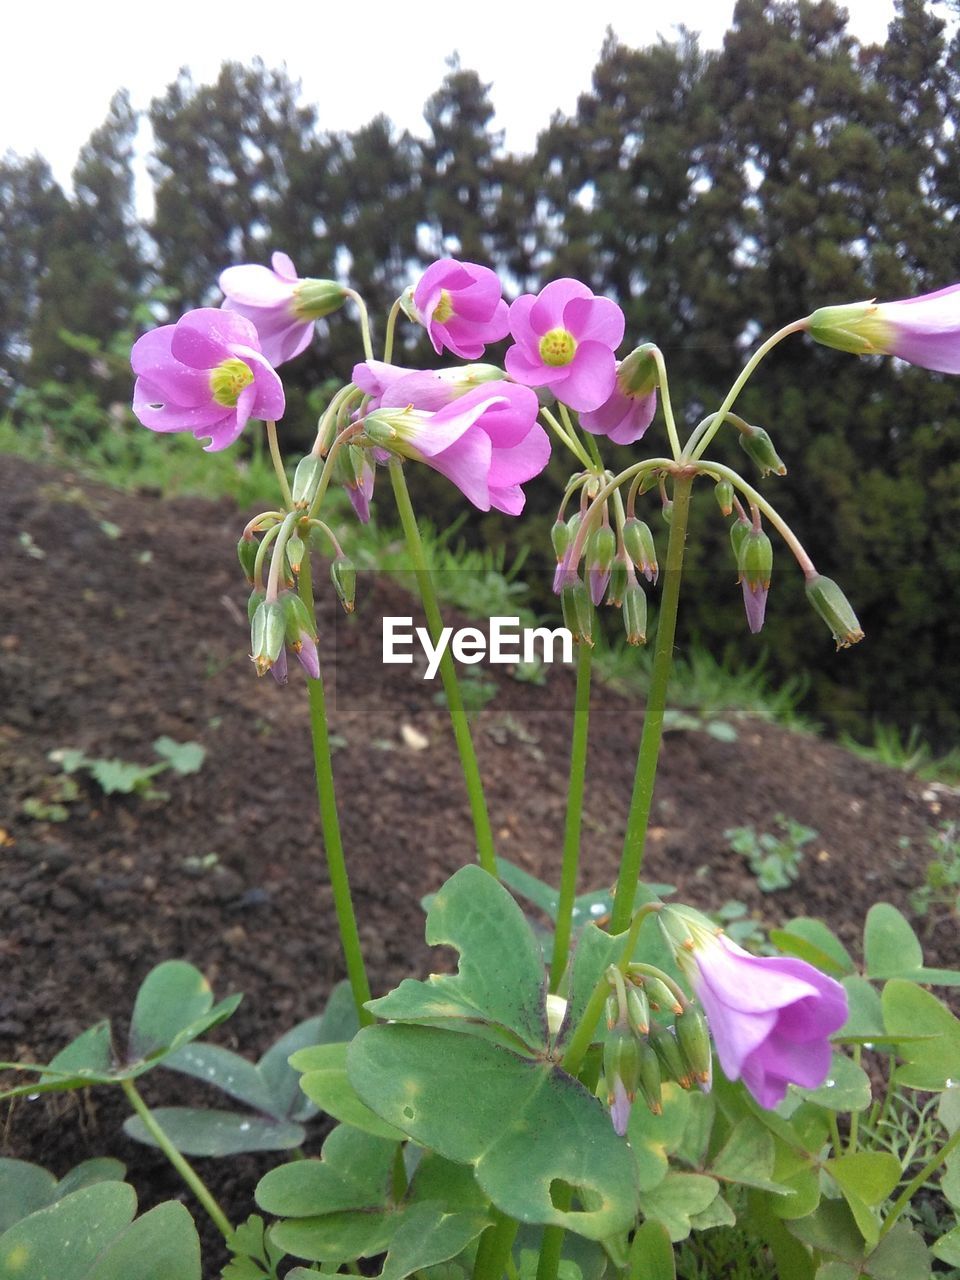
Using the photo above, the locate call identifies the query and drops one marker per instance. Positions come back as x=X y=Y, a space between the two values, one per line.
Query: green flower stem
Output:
x=594 y=513
x=574 y=445
x=495 y=1245
x=915 y=1183
x=341 y=400
x=552 y=1245
x=364 y=322
x=330 y=825
x=674 y=988
x=667 y=403
x=265 y=541
x=323 y=483
x=179 y=1161
x=756 y=499
x=646 y=772
x=571 y=835
x=276 y=560
x=278 y=463
x=796 y=326
x=391 y=329
x=582 y=1037
x=451 y=687
x=593 y=452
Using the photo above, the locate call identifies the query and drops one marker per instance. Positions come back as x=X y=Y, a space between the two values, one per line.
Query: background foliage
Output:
x=713 y=194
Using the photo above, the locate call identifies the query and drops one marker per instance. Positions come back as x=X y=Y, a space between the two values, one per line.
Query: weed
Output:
x=123 y=777
x=941 y=886
x=774 y=860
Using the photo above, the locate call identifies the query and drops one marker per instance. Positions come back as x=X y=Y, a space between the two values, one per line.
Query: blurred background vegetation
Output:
x=714 y=194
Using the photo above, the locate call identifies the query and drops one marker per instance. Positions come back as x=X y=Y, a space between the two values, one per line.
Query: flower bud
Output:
x=635 y=614
x=672 y=1063
x=577 y=611
x=611 y=1010
x=755 y=559
x=618 y=584
x=659 y=995
x=649 y=1077
x=253 y=604
x=380 y=427
x=853 y=327
x=344 y=578
x=247 y=549
x=724 y=496
x=601 y=549
x=834 y=608
x=637 y=374
x=295 y=550
x=640 y=547
x=667 y=511
x=560 y=536
x=267 y=635
x=756 y=443
x=621 y=1061
x=738 y=531
x=694 y=1041
x=305 y=480
x=314 y=299
x=638 y=1010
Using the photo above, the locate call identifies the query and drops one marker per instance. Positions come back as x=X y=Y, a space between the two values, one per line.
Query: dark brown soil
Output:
x=116 y=633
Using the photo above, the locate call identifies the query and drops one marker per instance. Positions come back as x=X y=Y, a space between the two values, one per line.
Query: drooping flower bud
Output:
x=638 y=1009
x=694 y=1041
x=738 y=531
x=601 y=549
x=756 y=443
x=267 y=635
x=755 y=558
x=658 y=993
x=619 y=580
x=560 y=538
x=344 y=578
x=724 y=496
x=640 y=547
x=635 y=614
x=835 y=609
x=673 y=1066
x=305 y=480
x=649 y=1077
x=300 y=632
x=247 y=549
x=295 y=549
x=577 y=610
x=621 y=1070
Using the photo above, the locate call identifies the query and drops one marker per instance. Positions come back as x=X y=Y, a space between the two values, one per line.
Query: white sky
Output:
x=355 y=58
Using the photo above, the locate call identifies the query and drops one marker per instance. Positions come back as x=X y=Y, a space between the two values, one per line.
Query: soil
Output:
x=126 y=620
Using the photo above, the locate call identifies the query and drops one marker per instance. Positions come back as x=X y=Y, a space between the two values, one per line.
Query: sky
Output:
x=355 y=58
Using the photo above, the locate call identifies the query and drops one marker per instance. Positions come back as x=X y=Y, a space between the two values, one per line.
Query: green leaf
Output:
x=338 y=1022
x=478 y=917
x=453 y=1184
x=891 y=948
x=747 y=1157
x=931 y=1063
x=325 y=1083
x=173 y=996
x=162 y=1245
x=227 y=1071
x=837 y=1271
x=846 y=1088
x=427 y=1235
x=595 y=951
x=521 y=1123
x=900 y=1255
x=337 y=1237
x=120 y=776
x=654 y=1138
x=24 y=1188
x=832 y=1229
x=947 y=1248
x=812 y=941
x=865 y=1013
x=183 y=757
x=63 y=1241
x=200 y=1131
x=88 y=1172
x=678 y=1198
x=948 y=1108
x=354 y=1172
x=865 y=1178
x=651 y=1253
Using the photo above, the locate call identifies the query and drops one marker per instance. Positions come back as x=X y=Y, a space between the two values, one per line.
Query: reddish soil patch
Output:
x=108 y=642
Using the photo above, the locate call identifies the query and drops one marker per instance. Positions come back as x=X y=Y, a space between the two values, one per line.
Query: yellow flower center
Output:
x=444 y=308
x=228 y=379
x=557 y=347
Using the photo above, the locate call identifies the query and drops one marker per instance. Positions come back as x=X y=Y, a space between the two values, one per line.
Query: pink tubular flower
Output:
x=282 y=307
x=755 y=604
x=565 y=340
x=429 y=389
x=924 y=331
x=461 y=307
x=771 y=1017
x=488 y=442
x=204 y=374
x=625 y=416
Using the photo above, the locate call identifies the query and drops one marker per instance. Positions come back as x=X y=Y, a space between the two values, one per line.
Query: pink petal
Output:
x=255 y=286
x=152 y=359
x=532 y=372
x=152 y=410
x=595 y=320
x=466 y=463
x=204 y=338
x=547 y=310
x=282 y=264
x=439 y=431
x=510 y=501
x=590 y=377
x=521 y=461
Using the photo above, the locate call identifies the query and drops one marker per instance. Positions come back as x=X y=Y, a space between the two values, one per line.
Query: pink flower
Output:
x=281 y=305
x=625 y=416
x=924 y=331
x=771 y=1017
x=565 y=340
x=429 y=389
x=488 y=442
x=204 y=374
x=460 y=306
x=755 y=603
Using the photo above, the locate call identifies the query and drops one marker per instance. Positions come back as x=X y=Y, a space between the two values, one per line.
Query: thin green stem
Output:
x=179 y=1161
x=571 y=835
x=915 y=1183
x=278 y=463
x=574 y=445
x=855 y=1115
x=325 y=475
x=276 y=560
x=391 y=330
x=364 y=322
x=756 y=499
x=495 y=1245
x=551 y=1246
x=796 y=326
x=668 y=417
x=330 y=825
x=451 y=687
x=648 y=755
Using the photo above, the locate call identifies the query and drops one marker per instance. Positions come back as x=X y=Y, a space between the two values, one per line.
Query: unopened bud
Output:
x=694 y=1041
x=635 y=614
x=577 y=611
x=724 y=496
x=247 y=549
x=667 y=511
x=648 y=481
x=738 y=531
x=755 y=560
x=601 y=549
x=638 y=1010
x=757 y=444
x=253 y=604
x=305 y=480
x=314 y=299
x=378 y=428
x=640 y=547
x=343 y=575
x=637 y=373
x=835 y=609
x=672 y=1063
x=621 y=1061
x=659 y=994
x=649 y=1077
x=297 y=620
x=618 y=584
x=267 y=635
x=611 y=1010
x=295 y=550
x=560 y=537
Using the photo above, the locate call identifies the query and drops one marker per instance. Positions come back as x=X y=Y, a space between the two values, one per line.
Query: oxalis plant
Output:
x=573 y=1114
